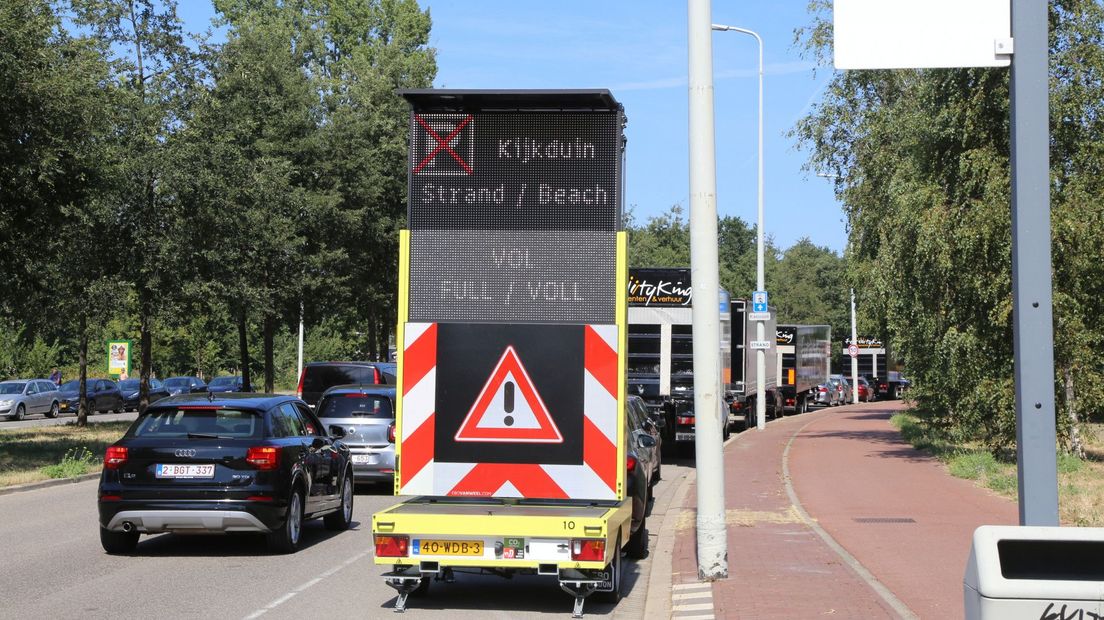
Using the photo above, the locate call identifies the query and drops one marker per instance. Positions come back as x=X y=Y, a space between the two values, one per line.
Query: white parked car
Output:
x=23 y=397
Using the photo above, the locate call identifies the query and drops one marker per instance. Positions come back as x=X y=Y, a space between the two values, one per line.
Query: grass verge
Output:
x=1080 y=482
x=34 y=454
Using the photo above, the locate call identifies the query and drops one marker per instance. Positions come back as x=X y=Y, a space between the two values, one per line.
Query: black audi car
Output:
x=231 y=463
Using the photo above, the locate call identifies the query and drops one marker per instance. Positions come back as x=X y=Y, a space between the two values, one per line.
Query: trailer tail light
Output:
x=685 y=420
x=115 y=457
x=631 y=463
x=264 y=458
x=299 y=389
x=588 y=549
x=389 y=546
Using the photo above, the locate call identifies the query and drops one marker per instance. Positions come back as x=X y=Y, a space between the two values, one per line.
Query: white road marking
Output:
x=691 y=595
x=313 y=582
x=692 y=586
x=694 y=607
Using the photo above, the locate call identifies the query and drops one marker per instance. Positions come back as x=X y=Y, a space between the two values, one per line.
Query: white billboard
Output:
x=907 y=34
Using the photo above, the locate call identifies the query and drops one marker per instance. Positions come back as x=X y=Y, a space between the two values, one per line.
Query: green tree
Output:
x=921 y=159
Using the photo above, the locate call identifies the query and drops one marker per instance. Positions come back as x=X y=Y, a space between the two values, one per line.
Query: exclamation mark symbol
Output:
x=508 y=404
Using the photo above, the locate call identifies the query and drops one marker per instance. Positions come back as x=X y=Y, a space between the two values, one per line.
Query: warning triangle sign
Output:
x=509 y=409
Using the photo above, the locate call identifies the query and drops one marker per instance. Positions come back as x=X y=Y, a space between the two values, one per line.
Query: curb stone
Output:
x=31 y=486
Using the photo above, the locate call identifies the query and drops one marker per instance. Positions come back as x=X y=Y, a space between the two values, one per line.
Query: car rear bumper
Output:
x=210 y=521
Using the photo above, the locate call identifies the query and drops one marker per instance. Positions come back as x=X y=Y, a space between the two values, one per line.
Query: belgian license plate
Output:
x=172 y=470
x=684 y=436
x=364 y=459
x=448 y=547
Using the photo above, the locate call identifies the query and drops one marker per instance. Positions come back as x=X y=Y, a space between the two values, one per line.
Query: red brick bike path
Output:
x=897 y=512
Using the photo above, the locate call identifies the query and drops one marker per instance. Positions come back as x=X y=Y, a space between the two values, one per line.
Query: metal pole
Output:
x=299 y=369
x=760 y=283
x=854 y=360
x=1033 y=335
x=705 y=277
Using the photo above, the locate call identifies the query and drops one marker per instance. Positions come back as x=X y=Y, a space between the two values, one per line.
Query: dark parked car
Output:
x=24 y=397
x=130 y=387
x=103 y=395
x=366 y=415
x=236 y=463
x=185 y=385
x=317 y=377
x=233 y=383
x=642 y=456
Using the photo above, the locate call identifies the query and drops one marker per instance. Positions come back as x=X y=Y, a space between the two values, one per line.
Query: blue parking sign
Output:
x=759 y=301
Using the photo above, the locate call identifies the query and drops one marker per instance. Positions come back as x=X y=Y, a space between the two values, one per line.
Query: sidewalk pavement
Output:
x=832 y=514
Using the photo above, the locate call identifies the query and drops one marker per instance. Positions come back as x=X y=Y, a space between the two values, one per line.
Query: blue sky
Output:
x=637 y=49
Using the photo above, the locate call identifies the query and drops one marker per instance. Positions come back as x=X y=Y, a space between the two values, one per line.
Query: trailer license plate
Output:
x=684 y=436
x=448 y=547
x=185 y=471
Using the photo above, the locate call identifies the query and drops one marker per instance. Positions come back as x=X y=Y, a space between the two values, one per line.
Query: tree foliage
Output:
x=922 y=166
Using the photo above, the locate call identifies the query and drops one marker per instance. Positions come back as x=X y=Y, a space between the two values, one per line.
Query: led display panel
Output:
x=514 y=214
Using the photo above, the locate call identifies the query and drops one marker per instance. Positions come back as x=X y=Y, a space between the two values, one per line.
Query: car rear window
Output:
x=320 y=378
x=355 y=406
x=199 y=423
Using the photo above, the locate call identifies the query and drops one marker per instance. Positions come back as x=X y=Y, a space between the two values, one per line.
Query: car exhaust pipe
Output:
x=128 y=527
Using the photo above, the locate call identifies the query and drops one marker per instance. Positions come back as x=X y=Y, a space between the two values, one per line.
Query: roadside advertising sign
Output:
x=512 y=291
x=118 y=357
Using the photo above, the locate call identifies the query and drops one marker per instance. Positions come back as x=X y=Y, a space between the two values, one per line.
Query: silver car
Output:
x=366 y=416
x=24 y=397
x=843 y=388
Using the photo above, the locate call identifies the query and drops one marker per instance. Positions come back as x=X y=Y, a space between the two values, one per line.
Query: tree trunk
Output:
x=373 y=352
x=385 y=338
x=1076 y=447
x=82 y=407
x=146 y=348
x=243 y=351
x=269 y=370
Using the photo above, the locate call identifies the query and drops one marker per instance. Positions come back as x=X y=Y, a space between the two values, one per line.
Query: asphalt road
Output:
x=55 y=568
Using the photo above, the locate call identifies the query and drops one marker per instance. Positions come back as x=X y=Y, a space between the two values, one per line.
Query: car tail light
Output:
x=685 y=419
x=388 y=546
x=111 y=498
x=260 y=498
x=737 y=405
x=115 y=458
x=356 y=395
x=588 y=549
x=299 y=389
x=789 y=402
x=391 y=433
x=263 y=457
x=822 y=389
x=631 y=463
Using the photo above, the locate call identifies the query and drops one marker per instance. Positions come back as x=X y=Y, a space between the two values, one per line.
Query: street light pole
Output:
x=760 y=279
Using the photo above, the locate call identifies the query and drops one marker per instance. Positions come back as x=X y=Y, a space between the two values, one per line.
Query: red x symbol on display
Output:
x=443 y=144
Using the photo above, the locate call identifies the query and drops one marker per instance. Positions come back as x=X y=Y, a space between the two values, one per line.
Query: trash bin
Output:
x=1036 y=573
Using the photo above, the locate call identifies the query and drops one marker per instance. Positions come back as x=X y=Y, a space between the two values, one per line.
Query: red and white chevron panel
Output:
x=593 y=479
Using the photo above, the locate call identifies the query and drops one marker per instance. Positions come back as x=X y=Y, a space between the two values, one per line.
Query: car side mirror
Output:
x=318 y=444
x=336 y=431
x=646 y=441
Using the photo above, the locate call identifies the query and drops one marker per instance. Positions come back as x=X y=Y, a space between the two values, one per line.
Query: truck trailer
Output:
x=661 y=350
x=510 y=422
x=804 y=362
x=745 y=377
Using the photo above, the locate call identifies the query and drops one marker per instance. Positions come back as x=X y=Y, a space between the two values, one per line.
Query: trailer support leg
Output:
x=404 y=585
x=580 y=590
